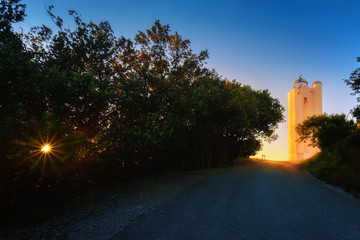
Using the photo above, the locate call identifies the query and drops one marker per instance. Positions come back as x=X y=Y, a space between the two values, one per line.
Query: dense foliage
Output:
x=113 y=108
x=338 y=162
x=325 y=131
x=354 y=83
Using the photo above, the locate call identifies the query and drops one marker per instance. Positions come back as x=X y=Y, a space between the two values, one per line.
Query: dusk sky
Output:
x=264 y=44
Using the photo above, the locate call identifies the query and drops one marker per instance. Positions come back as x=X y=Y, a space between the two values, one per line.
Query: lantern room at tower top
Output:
x=303 y=102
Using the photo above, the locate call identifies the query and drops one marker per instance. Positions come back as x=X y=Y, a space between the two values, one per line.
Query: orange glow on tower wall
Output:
x=303 y=102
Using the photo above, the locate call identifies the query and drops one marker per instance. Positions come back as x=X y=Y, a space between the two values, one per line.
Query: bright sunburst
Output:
x=46 y=150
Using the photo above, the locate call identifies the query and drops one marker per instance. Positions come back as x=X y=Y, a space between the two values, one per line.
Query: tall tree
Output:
x=354 y=83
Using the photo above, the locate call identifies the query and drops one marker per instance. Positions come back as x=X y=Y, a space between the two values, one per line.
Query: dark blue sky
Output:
x=265 y=44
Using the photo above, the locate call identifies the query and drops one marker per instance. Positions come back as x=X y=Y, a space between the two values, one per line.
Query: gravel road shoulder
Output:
x=105 y=212
x=335 y=189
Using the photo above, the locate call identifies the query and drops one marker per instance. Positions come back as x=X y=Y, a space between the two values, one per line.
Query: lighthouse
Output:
x=303 y=102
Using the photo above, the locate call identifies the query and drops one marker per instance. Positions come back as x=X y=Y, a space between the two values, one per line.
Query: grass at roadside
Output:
x=333 y=169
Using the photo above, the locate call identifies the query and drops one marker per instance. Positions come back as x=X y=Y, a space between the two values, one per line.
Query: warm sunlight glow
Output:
x=46 y=148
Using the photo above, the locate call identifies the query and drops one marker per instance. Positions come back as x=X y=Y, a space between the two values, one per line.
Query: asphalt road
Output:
x=254 y=201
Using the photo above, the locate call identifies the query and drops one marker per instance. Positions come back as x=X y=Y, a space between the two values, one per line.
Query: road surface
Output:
x=258 y=200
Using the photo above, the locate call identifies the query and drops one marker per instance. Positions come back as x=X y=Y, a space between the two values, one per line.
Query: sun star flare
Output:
x=46 y=148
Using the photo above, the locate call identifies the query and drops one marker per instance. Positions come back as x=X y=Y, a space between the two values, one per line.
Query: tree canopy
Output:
x=354 y=83
x=114 y=108
x=325 y=131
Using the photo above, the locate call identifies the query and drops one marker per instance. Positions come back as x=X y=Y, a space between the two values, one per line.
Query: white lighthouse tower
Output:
x=303 y=102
